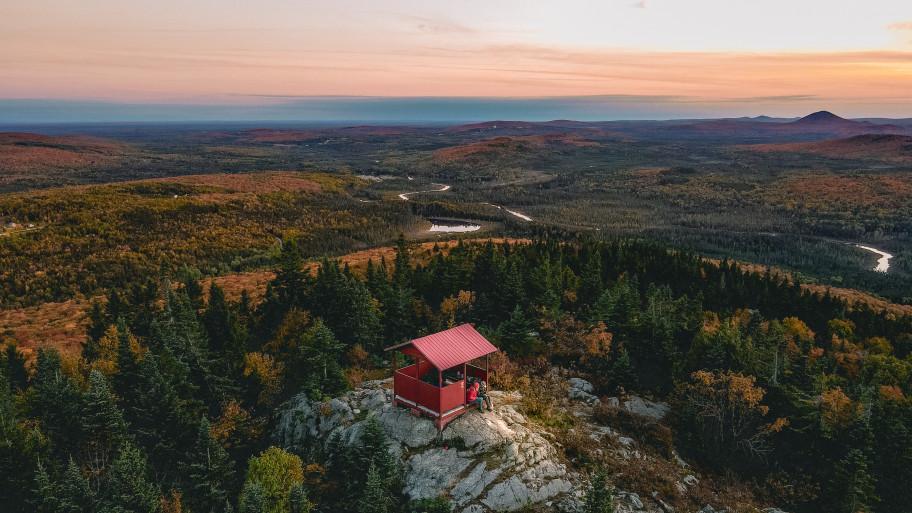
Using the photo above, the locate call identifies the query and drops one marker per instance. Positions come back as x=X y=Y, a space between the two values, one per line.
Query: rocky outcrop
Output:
x=581 y=390
x=639 y=406
x=497 y=461
x=484 y=461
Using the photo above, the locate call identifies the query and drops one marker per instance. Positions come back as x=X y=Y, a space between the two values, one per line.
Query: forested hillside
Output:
x=172 y=401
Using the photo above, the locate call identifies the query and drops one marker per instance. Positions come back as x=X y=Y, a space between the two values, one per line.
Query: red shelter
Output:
x=433 y=381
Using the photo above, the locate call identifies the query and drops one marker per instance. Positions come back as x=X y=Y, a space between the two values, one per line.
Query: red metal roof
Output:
x=453 y=347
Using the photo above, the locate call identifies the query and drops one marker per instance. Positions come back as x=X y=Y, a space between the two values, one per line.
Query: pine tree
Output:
x=591 y=283
x=211 y=472
x=373 y=448
x=73 y=492
x=128 y=489
x=375 y=497
x=19 y=454
x=253 y=499
x=298 y=501
x=47 y=499
x=599 y=498
x=14 y=368
x=402 y=267
x=217 y=319
x=225 y=333
x=622 y=373
x=55 y=401
x=103 y=422
x=322 y=354
x=291 y=282
x=515 y=333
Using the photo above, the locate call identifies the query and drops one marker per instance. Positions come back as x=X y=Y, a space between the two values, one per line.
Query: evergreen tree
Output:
x=515 y=333
x=375 y=497
x=20 y=451
x=298 y=501
x=292 y=281
x=103 y=422
x=322 y=354
x=599 y=498
x=55 y=401
x=622 y=373
x=373 y=448
x=14 y=368
x=71 y=494
x=591 y=283
x=127 y=488
x=853 y=480
x=402 y=267
x=253 y=499
x=211 y=473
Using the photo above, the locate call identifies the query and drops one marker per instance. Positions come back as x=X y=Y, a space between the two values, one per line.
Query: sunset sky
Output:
x=458 y=59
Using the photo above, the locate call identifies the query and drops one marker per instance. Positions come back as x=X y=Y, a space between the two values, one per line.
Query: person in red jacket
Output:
x=472 y=394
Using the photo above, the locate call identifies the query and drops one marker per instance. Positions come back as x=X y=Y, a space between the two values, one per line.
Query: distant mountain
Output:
x=816 y=126
x=823 y=117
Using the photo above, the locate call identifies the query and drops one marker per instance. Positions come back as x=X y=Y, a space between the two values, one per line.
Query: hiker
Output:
x=472 y=394
x=483 y=394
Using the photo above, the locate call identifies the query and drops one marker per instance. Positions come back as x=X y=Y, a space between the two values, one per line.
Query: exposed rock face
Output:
x=486 y=461
x=581 y=390
x=642 y=407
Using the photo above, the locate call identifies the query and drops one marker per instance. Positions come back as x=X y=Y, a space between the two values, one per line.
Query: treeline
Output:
x=172 y=401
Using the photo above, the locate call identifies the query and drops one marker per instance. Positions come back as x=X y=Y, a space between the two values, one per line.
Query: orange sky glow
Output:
x=773 y=53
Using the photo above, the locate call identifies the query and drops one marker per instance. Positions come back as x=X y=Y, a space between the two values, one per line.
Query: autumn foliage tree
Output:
x=722 y=415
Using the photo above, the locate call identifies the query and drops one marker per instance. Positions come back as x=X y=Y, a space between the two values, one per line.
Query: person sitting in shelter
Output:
x=472 y=395
x=483 y=395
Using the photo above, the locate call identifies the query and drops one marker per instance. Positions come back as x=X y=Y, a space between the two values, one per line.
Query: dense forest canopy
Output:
x=171 y=404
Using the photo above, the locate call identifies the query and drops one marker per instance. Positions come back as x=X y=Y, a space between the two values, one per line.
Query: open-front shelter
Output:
x=433 y=381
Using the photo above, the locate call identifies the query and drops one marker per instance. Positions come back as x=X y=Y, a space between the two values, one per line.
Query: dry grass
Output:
x=58 y=325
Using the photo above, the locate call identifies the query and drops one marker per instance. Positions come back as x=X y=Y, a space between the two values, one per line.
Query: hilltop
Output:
x=506 y=460
x=887 y=147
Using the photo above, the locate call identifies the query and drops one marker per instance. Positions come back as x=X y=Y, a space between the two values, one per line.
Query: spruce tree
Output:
x=14 y=368
x=103 y=422
x=19 y=454
x=514 y=333
x=599 y=498
x=54 y=400
x=298 y=501
x=253 y=499
x=127 y=488
x=74 y=494
x=211 y=473
x=375 y=497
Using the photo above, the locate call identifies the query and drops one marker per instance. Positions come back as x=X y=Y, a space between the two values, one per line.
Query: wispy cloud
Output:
x=437 y=25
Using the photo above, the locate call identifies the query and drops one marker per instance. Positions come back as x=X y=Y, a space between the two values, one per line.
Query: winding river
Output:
x=883 y=263
x=441 y=227
x=405 y=195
